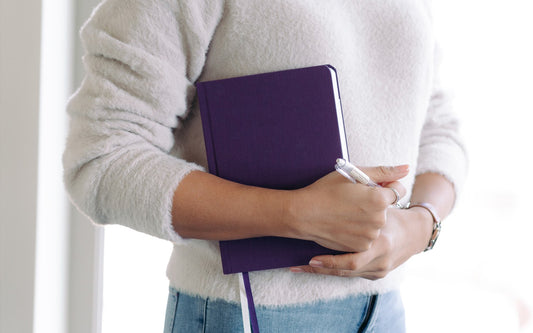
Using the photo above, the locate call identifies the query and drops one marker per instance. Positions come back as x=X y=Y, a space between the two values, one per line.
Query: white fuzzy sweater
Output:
x=135 y=131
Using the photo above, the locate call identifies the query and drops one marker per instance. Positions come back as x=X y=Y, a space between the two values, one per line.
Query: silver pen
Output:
x=353 y=173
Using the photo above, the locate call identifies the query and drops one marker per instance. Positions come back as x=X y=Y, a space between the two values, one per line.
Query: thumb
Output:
x=386 y=174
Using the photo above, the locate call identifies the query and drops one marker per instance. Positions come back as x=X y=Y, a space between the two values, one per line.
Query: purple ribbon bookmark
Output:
x=249 y=303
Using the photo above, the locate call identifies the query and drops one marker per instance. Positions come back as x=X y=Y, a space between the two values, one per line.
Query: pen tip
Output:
x=340 y=162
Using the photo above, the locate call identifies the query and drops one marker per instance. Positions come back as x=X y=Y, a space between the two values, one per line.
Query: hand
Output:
x=341 y=215
x=405 y=234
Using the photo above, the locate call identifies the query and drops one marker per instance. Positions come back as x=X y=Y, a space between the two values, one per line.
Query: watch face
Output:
x=434 y=237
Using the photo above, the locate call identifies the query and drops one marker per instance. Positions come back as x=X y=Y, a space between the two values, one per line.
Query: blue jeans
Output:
x=381 y=313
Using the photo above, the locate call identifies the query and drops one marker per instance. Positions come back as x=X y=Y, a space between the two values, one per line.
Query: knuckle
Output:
x=340 y=273
x=307 y=269
x=330 y=263
x=381 y=219
x=378 y=198
x=372 y=235
x=383 y=170
x=374 y=196
x=352 y=265
x=383 y=268
x=401 y=189
x=365 y=246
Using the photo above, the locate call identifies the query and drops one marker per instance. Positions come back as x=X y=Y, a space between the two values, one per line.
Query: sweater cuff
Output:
x=167 y=229
x=140 y=190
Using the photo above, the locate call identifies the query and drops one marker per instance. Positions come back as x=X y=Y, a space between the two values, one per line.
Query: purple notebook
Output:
x=280 y=130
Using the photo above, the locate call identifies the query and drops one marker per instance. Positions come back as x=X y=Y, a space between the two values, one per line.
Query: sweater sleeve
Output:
x=441 y=147
x=142 y=58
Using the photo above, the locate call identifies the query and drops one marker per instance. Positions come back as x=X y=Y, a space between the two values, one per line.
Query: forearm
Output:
x=332 y=211
x=436 y=190
x=209 y=207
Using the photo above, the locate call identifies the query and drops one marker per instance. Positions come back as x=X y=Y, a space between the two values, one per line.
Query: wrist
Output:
x=416 y=226
x=292 y=219
x=428 y=217
x=424 y=221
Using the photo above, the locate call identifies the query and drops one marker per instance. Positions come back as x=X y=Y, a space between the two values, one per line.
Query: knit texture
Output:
x=135 y=129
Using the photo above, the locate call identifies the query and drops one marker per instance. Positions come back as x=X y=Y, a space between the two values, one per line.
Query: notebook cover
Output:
x=280 y=130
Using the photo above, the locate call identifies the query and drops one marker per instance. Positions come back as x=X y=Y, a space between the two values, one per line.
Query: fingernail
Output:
x=296 y=270
x=316 y=263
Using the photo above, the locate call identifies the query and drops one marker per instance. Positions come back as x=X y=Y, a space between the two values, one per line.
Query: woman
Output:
x=135 y=153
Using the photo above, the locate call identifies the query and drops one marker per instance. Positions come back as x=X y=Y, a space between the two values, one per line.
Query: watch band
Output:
x=436 y=222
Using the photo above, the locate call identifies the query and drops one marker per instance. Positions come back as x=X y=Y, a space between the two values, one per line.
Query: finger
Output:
x=354 y=262
x=383 y=197
x=396 y=192
x=345 y=265
x=323 y=271
x=300 y=269
x=385 y=174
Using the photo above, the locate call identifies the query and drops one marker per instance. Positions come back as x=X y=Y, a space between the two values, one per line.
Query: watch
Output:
x=436 y=222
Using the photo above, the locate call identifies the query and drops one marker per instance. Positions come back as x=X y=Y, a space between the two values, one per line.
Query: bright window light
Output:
x=479 y=278
x=51 y=280
x=135 y=283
